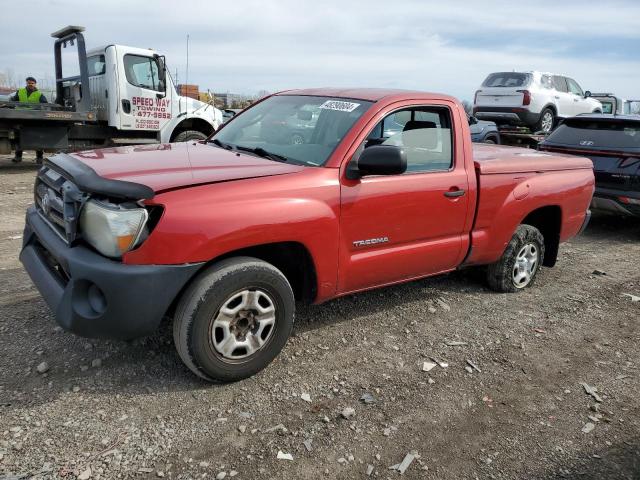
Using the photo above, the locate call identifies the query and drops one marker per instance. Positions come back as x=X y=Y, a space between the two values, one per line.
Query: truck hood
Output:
x=492 y=159
x=170 y=166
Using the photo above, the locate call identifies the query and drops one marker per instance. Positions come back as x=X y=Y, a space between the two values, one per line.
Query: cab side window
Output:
x=142 y=72
x=96 y=65
x=424 y=133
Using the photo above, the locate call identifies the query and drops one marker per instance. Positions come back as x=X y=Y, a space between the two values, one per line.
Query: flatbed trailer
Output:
x=520 y=136
x=121 y=96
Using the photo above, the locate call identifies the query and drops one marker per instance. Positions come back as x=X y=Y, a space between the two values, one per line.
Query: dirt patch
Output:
x=120 y=410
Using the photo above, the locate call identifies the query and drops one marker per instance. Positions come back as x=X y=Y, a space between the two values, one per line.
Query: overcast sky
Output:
x=244 y=46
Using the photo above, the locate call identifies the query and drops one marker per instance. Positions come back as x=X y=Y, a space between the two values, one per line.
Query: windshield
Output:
x=303 y=130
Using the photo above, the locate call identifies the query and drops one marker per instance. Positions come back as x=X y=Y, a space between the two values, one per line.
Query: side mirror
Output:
x=378 y=160
x=305 y=115
x=472 y=120
x=162 y=71
x=587 y=94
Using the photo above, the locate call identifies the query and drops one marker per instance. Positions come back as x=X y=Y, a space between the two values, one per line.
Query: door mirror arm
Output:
x=353 y=172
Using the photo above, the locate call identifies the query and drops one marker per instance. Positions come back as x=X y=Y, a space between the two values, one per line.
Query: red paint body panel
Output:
x=216 y=202
x=174 y=165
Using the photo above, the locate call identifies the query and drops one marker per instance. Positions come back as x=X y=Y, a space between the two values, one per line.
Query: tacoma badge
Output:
x=370 y=241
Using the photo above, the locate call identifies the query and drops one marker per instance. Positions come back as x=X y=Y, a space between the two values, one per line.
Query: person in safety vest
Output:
x=29 y=94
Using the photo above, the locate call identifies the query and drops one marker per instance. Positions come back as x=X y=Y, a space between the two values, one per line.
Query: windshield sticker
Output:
x=340 y=106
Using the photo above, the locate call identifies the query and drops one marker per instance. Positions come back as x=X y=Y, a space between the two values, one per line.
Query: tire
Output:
x=506 y=275
x=490 y=141
x=546 y=122
x=242 y=285
x=296 y=139
x=188 y=135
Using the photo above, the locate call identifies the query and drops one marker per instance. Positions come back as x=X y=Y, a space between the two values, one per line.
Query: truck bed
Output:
x=515 y=181
x=38 y=114
x=495 y=159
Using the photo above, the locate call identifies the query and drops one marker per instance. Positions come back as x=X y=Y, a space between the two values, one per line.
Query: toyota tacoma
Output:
x=224 y=235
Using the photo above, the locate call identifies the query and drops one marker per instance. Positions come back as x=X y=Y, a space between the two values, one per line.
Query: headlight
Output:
x=111 y=229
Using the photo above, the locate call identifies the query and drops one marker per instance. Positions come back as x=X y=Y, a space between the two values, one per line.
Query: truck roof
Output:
x=370 y=94
x=127 y=48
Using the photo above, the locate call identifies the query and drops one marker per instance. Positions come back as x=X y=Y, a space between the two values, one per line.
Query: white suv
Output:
x=534 y=99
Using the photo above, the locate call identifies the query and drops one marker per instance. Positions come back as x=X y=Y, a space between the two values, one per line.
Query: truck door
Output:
x=396 y=227
x=144 y=101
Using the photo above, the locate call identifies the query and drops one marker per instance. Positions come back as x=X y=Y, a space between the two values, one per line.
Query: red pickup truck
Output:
x=307 y=195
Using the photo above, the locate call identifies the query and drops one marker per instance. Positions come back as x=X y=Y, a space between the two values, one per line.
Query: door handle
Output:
x=454 y=193
x=126 y=106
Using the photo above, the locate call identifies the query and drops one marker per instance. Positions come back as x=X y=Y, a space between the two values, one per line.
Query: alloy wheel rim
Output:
x=243 y=325
x=525 y=266
x=547 y=122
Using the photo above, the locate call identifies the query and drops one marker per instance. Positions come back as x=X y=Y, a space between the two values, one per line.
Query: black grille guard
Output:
x=88 y=181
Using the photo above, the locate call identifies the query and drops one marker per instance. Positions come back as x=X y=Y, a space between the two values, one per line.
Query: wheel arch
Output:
x=495 y=136
x=293 y=259
x=548 y=220
x=192 y=123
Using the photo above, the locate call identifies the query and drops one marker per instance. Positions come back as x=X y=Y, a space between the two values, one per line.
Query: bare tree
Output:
x=468 y=107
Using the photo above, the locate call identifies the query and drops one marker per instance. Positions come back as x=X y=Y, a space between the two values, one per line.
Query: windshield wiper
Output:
x=217 y=142
x=261 y=152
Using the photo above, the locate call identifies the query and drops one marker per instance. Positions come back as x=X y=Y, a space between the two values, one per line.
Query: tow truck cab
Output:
x=130 y=99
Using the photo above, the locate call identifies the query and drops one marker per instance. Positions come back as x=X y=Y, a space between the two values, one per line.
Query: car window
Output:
x=506 y=79
x=597 y=134
x=574 y=87
x=142 y=71
x=423 y=133
x=545 y=81
x=607 y=106
x=96 y=65
x=560 y=83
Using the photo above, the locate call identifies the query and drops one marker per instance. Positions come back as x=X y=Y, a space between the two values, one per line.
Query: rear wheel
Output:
x=520 y=262
x=546 y=122
x=188 y=135
x=490 y=140
x=234 y=319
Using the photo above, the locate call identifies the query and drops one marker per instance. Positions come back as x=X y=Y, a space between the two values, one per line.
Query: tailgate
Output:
x=619 y=173
x=499 y=97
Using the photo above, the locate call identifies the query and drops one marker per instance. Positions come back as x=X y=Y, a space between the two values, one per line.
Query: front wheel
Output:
x=520 y=262
x=234 y=319
x=188 y=135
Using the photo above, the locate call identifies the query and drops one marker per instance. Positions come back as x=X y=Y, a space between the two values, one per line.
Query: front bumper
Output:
x=93 y=296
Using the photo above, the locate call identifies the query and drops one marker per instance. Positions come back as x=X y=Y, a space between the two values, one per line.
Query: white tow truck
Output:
x=121 y=96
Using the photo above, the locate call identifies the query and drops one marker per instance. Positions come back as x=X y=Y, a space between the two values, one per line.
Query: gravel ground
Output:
x=349 y=394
